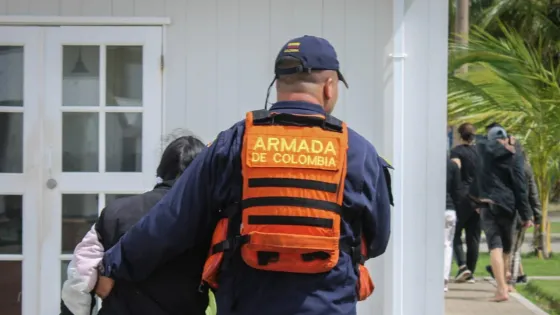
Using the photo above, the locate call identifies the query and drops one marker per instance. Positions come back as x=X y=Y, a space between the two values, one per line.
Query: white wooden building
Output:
x=89 y=89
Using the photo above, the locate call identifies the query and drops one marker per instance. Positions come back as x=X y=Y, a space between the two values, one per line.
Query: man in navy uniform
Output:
x=188 y=214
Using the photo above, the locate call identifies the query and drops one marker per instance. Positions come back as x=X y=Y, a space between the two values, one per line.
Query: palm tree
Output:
x=515 y=83
x=535 y=20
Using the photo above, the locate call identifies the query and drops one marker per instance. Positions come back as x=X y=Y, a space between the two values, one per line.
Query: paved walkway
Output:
x=469 y=299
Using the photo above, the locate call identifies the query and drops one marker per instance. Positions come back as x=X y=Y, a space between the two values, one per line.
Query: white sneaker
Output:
x=445 y=288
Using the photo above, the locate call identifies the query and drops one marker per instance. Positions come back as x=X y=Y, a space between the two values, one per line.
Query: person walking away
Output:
x=503 y=191
x=466 y=157
x=452 y=199
x=170 y=289
x=517 y=272
x=293 y=200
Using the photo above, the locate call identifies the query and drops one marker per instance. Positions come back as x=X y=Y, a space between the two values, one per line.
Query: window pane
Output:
x=80 y=76
x=11 y=76
x=79 y=213
x=124 y=76
x=10 y=288
x=112 y=197
x=80 y=142
x=63 y=271
x=11 y=227
x=11 y=142
x=123 y=142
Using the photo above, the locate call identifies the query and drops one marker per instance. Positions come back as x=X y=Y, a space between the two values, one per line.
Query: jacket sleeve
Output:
x=186 y=215
x=534 y=200
x=519 y=182
x=377 y=195
x=82 y=275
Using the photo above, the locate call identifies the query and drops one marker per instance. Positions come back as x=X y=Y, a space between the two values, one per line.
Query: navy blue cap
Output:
x=315 y=53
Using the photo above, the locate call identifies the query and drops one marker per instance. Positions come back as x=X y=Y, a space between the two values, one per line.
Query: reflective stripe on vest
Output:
x=293 y=185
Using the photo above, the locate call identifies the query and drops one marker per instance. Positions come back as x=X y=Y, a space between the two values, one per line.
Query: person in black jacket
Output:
x=503 y=192
x=174 y=287
x=453 y=193
x=466 y=157
x=517 y=273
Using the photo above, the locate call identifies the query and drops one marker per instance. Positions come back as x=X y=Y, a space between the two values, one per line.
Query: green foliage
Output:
x=513 y=80
x=531 y=18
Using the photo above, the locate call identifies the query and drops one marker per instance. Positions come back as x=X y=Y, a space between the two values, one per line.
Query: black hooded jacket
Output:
x=501 y=178
x=173 y=288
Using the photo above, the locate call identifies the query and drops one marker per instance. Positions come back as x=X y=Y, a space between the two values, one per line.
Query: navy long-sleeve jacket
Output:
x=187 y=215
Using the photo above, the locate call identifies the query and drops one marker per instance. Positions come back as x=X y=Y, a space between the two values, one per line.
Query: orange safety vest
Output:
x=293 y=168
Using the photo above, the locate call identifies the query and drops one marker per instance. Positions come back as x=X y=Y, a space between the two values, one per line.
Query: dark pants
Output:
x=468 y=220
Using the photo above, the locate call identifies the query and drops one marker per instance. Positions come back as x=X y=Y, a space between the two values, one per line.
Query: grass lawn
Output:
x=544 y=293
x=554 y=228
x=531 y=265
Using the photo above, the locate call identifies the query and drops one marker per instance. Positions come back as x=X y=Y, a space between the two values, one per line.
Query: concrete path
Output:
x=469 y=299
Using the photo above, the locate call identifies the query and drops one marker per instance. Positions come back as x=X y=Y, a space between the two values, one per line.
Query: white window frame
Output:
x=150 y=37
x=27 y=183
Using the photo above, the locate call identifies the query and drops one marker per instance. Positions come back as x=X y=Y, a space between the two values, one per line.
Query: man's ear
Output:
x=328 y=90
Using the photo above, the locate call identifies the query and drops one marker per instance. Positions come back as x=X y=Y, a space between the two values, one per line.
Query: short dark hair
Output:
x=467 y=131
x=492 y=125
x=177 y=156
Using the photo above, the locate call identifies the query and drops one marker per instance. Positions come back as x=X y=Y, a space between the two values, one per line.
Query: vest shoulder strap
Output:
x=264 y=117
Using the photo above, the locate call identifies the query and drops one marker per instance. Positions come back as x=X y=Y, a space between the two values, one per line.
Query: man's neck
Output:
x=298 y=97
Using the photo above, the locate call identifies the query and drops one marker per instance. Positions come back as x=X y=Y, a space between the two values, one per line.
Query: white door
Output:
x=20 y=188
x=101 y=133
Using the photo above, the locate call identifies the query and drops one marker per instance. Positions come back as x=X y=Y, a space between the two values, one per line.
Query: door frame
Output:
x=150 y=37
x=28 y=183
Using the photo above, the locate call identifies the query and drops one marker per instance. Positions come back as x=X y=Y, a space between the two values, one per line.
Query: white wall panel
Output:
x=202 y=71
x=229 y=70
x=334 y=30
x=150 y=8
x=14 y=7
x=124 y=7
x=96 y=8
x=71 y=7
x=43 y=7
x=253 y=57
x=175 y=73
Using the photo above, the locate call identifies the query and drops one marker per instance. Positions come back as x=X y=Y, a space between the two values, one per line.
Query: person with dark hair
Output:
x=503 y=195
x=516 y=267
x=517 y=272
x=292 y=200
x=170 y=289
x=466 y=157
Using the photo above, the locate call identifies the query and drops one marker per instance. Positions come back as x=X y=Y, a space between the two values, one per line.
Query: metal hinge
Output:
x=161 y=63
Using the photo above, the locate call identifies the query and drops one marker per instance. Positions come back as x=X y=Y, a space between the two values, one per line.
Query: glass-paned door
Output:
x=102 y=135
x=20 y=189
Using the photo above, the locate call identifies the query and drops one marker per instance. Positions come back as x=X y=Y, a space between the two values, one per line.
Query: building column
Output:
x=409 y=276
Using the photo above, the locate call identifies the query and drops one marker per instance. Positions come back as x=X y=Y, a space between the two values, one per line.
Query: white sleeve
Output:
x=82 y=274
